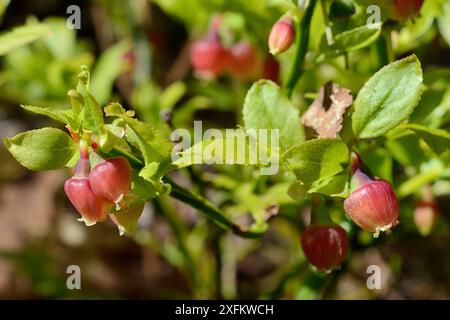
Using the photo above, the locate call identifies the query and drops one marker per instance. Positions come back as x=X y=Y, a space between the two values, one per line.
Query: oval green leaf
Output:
x=43 y=149
x=315 y=161
x=265 y=107
x=350 y=40
x=388 y=98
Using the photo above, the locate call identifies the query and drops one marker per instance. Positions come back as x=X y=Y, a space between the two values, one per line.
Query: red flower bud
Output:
x=244 y=61
x=425 y=215
x=325 y=247
x=111 y=179
x=92 y=207
x=404 y=9
x=209 y=57
x=282 y=35
x=372 y=205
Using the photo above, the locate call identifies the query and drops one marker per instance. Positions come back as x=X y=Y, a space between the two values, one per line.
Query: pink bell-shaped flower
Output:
x=372 y=204
x=111 y=179
x=91 y=206
x=208 y=56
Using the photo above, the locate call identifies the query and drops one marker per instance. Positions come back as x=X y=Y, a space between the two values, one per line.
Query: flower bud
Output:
x=92 y=207
x=404 y=9
x=126 y=219
x=244 y=60
x=282 y=35
x=325 y=247
x=372 y=204
x=209 y=57
x=425 y=215
x=111 y=179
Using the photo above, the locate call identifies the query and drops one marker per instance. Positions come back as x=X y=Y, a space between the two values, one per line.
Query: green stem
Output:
x=219 y=263
x=381 y=52
x=197 y=180
x=211 y=211
x=195 y=201
x=178 y=232
x=389 y=49
x=383 y=49
x=347 y=61
x=301 y=40
x=328 y=32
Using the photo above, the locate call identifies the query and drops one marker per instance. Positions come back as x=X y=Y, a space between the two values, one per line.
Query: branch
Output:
x=302 y=40
x=211 y=211
x=196 y=201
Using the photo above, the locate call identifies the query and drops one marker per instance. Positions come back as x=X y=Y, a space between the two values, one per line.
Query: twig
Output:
x=302 y=40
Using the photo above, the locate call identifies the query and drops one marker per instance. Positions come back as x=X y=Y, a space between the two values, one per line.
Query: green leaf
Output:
x=379 y=161
x=335 y=186
x=43 y=149
x=444 y=22
x=429 y=172
x=297 y=191
x=148 y=171
x=171 y=95
x=186 y=111
x=62 y=41
x=316 y=160
x=426 y=112
x=152 y=142
x=237 y=148
x=92 y=114
x=109 y=136
x=61 y=115
x=114 y=110
x=406 y=150
x=146 y=190
x=197 y=14
x=265 y=107
x=388 y=98
x=145 y=100
x=110 y=65
x=3 y=5
x=21 y=36
x=350 y=40
x=438 y=140
x=261 y=206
